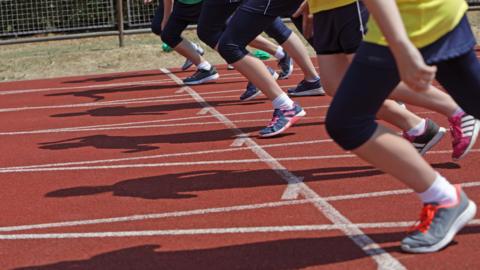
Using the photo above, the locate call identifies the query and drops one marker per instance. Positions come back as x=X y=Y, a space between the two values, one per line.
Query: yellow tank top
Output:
x=322 y=5
x=425 y=20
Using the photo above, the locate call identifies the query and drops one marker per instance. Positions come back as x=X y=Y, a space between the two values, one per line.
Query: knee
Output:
x=348 y=131
x=230 y=51
x=171 y=39
x=208 y=37
x=156 y=29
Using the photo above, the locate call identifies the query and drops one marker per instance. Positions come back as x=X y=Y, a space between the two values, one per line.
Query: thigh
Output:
x=365 y=86
x=244 y=26
x=274 y=8
x=214 y=15
x=460 y=77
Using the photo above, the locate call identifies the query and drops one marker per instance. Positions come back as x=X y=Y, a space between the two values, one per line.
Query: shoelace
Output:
x=456 y=129
x=426 y=218
x=276 y=116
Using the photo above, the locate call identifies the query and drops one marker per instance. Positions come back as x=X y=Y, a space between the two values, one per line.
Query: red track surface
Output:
x=139 y=146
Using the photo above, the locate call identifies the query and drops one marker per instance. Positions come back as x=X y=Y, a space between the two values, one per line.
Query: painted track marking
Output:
x=210 y=231
x=206 y=211
x=50 y=168
x=382 y=258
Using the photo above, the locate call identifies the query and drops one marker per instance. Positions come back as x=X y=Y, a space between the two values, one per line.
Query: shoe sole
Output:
x=289 y=124
x=204 y=80
x=441 y=132
x=252 y=96
x=312 y=92
x=459 y=223
x=472 y=141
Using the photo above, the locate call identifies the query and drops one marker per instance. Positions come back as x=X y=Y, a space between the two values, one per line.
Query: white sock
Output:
x=313 y=80
x=441 y=192
x=418 y=129
x=205 y=65
x=283 y=102
x=279 y=53
x=458 y=111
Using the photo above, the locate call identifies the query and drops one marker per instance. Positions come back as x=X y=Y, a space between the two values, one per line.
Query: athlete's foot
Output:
x=202 y=76
x=464 y=129
x=306 y=88
x=286 y=67
x=429 y=138
x=282 y=120
x=439 y=224
x=252 y=91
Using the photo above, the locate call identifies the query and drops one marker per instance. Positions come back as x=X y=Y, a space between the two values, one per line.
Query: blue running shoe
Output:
x=286 y=66
x=306 y=88
x=188 y=63
x=202 y=76
x=252 y=91
x=282 y=120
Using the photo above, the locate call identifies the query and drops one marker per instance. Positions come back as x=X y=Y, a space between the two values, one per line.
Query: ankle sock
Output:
x=441 y=192
x=418 y=129
x=316 y=79
x=457 y=112
x=283 y=102
x=279 y=53
x=204 y=65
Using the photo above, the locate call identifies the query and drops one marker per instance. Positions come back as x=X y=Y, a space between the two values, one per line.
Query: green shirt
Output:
x=190 y=2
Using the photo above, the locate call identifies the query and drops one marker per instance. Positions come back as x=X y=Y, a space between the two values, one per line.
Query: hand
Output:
x=307 y=19
x=413 y=70
x=147 y=1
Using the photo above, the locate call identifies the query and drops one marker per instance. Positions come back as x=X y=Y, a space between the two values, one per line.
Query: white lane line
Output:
x=139 y=124
x=206 y=211
x=216 y=151
x=382 y=258
x=108 y=85
x=193 y=163
x=108 y=103
x=210 y=231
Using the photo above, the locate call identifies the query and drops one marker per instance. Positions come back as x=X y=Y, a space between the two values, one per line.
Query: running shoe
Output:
x=252 y=91
x=306 y=88
x=430 y=137
x=202 y=76
x=286 y=66
x=230 y=67
x=464 y=129
x=188 y=63
x=438 y=224
x=282 y=120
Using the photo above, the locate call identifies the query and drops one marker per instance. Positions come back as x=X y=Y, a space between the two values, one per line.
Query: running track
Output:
x=134 y=171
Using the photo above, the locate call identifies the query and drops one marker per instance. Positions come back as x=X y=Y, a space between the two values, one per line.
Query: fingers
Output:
x=300 y=10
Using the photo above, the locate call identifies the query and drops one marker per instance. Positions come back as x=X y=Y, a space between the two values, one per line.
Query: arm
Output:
x=307 y=19
x=413 y=70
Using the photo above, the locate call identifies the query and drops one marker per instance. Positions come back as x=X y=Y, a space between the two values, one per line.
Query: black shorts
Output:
x=339 y=30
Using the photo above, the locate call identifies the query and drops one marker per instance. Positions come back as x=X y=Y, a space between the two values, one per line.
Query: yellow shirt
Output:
x=322 y=5
x=425 y=20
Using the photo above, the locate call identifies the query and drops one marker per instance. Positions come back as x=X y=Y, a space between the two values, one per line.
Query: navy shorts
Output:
x=272 y=8
x=339 y=30
x=182 y=15
x=373 y=75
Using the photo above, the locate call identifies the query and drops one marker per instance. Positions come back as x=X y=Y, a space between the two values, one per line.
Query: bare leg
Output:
x=255 y=71
x=296 y=49
x=397 y=157
x=186 y=49
x=333 y=67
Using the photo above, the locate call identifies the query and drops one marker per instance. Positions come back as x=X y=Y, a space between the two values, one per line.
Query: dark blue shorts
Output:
x=373 y=75
x=182 y=15
x=272 y=8
x=339 y=30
